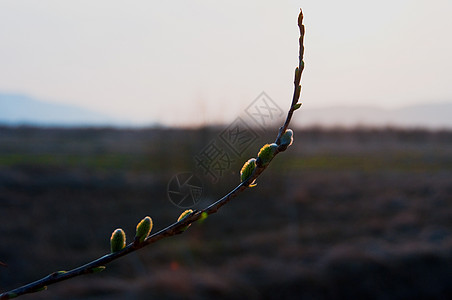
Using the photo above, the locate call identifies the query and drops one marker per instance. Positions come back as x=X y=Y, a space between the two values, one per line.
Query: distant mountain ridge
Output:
x=433 y=116
x=17 y=109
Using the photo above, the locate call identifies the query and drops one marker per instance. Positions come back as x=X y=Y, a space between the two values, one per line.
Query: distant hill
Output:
x=434 y=116
x=16 y=109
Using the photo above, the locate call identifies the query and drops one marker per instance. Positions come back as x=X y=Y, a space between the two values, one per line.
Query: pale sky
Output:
x=186 y=62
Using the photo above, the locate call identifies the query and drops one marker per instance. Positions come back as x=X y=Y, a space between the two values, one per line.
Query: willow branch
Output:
x=296 y=82
x=177 y=227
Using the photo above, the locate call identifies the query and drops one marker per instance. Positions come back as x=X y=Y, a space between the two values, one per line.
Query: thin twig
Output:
x=177 y=227
x=296 y=82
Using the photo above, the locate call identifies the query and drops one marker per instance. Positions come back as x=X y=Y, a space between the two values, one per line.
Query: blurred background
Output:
x=103 y=104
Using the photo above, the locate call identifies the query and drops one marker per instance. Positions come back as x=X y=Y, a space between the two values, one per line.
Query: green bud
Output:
x=11 y=295
x=143 y=229
x=247 y=169
x=183 y=216
x=98 y=269
x=296 y=106
x=286 y=140
x=57 y=273
x=204 y=216
x=297 y=92
x=117 y=240
x=44 y=288
x=267 y=153
x=297 y=74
